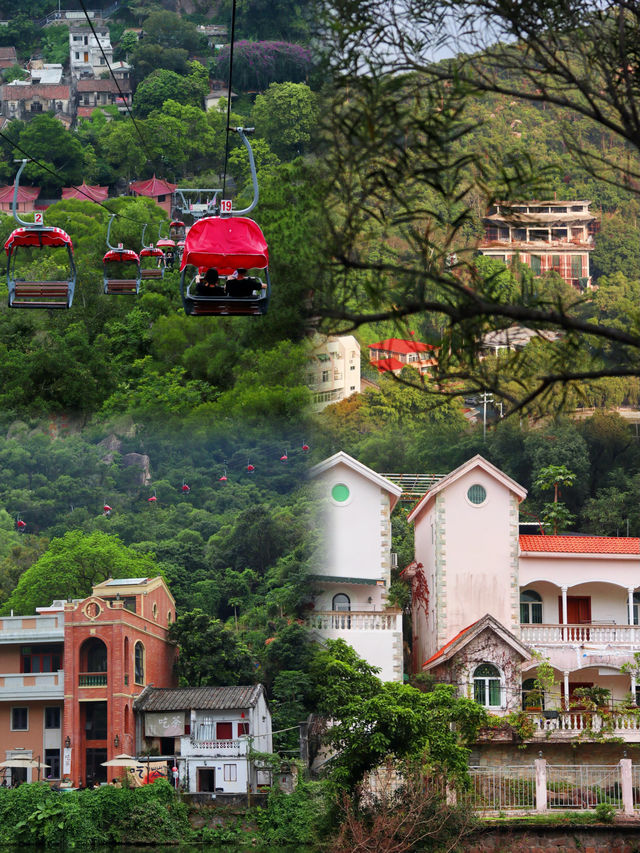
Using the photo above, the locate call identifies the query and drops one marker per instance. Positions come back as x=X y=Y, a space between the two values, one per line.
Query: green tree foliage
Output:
x=55 y=44
x=210 y=654
x=170 y=30
x=71 y=565
x=48 y=141
x=372 y=720
x=616 y=247
x=259 y=19
x=287 y=116
x=164 y=85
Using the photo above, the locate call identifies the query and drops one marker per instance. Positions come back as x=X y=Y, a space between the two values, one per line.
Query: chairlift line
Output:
x=28 y=291
x=118 y=285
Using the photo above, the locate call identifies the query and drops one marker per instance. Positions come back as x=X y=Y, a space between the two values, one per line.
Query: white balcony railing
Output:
x=572 y=724
x=354 y=620
x=562 y=634
x=198 y=744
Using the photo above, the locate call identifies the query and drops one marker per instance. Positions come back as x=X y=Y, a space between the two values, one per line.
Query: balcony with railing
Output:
x=203 y=741
x=35 y=685
x=355 y=620
x=594 y=632
x=586 y=725
x=32 y=629
x=92 y=679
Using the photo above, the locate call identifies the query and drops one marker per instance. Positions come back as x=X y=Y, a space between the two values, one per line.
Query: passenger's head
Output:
x=241 y=272
x=211 y=276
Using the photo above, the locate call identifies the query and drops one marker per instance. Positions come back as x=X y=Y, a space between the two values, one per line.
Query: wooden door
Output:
x=578 y=613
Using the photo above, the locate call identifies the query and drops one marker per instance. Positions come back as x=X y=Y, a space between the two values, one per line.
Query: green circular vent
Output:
x=340 y=493
x=477 y=494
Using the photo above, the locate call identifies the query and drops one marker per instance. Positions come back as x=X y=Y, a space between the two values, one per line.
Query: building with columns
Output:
x=352 y=571
x=490 y=603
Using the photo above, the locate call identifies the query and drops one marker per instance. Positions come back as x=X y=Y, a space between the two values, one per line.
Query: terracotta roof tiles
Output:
x=580 y=544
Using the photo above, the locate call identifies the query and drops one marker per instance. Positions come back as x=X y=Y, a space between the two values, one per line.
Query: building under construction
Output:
x=546 y=235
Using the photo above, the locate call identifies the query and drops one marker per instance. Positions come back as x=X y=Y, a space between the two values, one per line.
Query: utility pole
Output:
x=486 y=398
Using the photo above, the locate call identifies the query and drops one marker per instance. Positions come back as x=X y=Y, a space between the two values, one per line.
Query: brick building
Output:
x=71 y=673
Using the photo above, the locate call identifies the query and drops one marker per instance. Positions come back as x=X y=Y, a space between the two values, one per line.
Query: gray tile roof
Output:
x=198 y=698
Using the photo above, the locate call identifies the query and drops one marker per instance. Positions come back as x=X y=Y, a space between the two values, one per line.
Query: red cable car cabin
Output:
x=27 y=292
x=177 y=229
x=154 y=257
x=233 y=247
x=121 y=285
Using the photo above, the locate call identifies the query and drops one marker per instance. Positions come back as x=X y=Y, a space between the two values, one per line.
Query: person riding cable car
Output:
x=32 y=291
x=228 y=245
x=116 y=263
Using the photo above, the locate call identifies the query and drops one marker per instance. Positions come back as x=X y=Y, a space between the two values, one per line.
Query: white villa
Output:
x=353 y=567
x=487 y=600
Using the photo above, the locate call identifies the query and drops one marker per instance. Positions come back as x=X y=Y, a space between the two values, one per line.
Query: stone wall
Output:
x=501 y=754
x=553 y=839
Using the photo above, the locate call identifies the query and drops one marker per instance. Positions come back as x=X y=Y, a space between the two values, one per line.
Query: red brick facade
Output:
x=110 y=655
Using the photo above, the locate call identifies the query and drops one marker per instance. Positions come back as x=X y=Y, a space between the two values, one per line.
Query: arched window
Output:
x=139 y=663
x=532 y=696
x=530 y=607
x=341 y=602
x=96 y=656
x=126 y=719
x=487 y=686
x=126 y=660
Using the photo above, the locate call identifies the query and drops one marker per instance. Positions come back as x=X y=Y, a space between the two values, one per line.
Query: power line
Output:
x=226 y=141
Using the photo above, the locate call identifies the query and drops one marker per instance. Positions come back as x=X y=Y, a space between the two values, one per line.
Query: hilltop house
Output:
x=334 y=371
x=210 y=732
x=71 y=673
x=24 y=100
x=487 y=601
x=545 y=235
x=394 y=354
x=89 y=53
x=352 y=569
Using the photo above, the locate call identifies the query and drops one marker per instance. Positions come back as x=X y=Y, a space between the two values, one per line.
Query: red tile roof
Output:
x=399 y=345
x=580 y=544
x=24 y=194
x=441 y=651
x=153 y=187
x=86 y=193
x=388 y=364
x=99 y=85
x=26 y=91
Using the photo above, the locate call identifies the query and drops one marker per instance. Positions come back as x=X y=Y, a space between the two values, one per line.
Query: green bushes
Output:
x=33 y=814
x=297 y=818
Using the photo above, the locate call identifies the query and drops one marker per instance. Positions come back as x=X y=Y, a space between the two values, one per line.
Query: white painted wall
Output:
x=352 y=530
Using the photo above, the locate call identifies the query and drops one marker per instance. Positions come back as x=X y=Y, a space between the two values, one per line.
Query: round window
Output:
x=340 y=493
x=477 y=494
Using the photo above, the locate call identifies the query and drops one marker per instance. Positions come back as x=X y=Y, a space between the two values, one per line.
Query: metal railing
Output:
x=583 y=786
x=500 y=789
x=92 y=679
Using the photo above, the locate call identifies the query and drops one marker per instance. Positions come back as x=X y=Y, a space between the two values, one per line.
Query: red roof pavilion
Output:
x=153 y=187
x=86 y=193
x=25 y=194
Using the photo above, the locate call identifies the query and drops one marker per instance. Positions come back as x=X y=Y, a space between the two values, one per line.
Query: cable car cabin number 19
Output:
x=226 y=205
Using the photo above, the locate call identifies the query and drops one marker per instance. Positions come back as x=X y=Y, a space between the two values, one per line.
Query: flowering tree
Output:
x=256 y=64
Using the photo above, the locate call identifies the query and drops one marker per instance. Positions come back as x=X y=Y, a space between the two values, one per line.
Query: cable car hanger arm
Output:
x=242 y=131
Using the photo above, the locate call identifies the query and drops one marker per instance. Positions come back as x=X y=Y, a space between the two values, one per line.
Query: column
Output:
x=566 y=690
x=626 y=783
x=630 y=591
x=541 y=784
x=565 y=634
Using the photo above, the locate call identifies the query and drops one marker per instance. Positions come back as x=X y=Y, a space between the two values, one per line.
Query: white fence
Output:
x=543 y=787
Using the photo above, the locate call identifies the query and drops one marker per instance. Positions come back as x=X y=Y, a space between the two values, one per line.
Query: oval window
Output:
x=477 y=494
x=340 y=493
